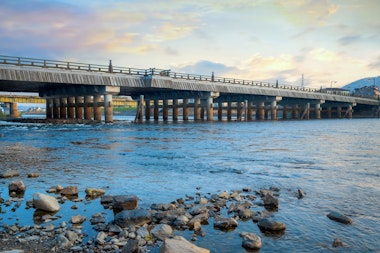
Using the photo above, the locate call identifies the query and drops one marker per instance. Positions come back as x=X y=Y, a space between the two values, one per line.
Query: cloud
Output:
x=347 y=40
x=205 y=67
x=375 y=65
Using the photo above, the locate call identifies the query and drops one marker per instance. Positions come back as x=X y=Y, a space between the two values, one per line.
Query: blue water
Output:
x=335 y=162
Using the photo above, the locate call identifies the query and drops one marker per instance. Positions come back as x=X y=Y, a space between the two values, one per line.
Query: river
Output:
x=335 y=162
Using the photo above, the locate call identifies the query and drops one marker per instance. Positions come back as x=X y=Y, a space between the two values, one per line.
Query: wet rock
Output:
x=70 y=190
x=178 y=244
x=181 y=221
x=225 y=223
x=94 y=192
x=197 y=209
x=9 y=174
x=251 y=241
x=101 y=238
x=76 y=249
x=270 y=201
x=246 y=213
x=202 y=218
x=142 y=232
x=247 y=189
x=224 y=195
x=17 y=186
x=125 y=202
x=55 y=189
x=97 y=218
x=337 y=243
x=339 y=217
x=161 y=231
x=77 y=219
x=271 y=225
x=129 y=218
x=71 y=236
x=114 y=229
x=45 y=202
x=131 y=247
x=49 y=228
x=33 y=175
x=301 y=194
x=62 y=242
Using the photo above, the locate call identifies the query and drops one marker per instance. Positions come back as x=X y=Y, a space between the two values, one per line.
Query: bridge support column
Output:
x=87 y=107
x=175 y=109
x=49 y=108
x=273 y=110
x=329 y=112
x=350 y=111
x=156 y=110
x=239 y=110
x=220 y=111
x=295 y=112
x=229 y=110
x=13 y=110
x=197 y=109
x=285 y=112
x=147 y=109
x=250 y=111
x=339 y=112
x=70 y=108
x=165 y=110
x=108 y=108
x=56 y=108
x=261 y=110
x=63 y=108
x=97 y=109
x=318 y=111
x=185 y=109
x=79 y=107
x=210 y=108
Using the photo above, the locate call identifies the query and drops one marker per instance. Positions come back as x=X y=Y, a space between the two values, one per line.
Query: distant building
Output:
x=336 y=91
x=368 y=91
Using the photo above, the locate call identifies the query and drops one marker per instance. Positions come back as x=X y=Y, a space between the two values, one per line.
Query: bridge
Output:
x=79 y=91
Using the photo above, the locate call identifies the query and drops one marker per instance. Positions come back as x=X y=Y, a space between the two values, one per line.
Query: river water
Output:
x=335 y=162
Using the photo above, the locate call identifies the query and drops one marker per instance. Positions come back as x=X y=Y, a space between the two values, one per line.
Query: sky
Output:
x=328 y=42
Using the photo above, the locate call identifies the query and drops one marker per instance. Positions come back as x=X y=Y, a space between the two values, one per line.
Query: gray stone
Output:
x=270 y=200
x=125 y=202
x=49 y=228
x=251 y=241
x=101 y=238
x=76 y=249
x=71 y=236
x=142 y=232
x=77 y=219
x=203 y=217
x=337 y=243
x=197 y=209
x=339 y=217
x=271 y=225
x=181 y=220
x=131 y=247
x=178 y=244
x=246 y=213
x=17 y=186
x=301 y=194
x=9 y=174
x=114 y=229
x=62 y=242
x=70 y=190
x=136 y=217
x=106 y=199
x=225 y=223
x=45 y=202
x=161 y=231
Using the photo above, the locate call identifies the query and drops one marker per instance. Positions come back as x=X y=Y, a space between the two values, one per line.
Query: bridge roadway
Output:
x=73 y=89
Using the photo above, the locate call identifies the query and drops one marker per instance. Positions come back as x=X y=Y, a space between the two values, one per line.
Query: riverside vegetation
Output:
x=139 y=230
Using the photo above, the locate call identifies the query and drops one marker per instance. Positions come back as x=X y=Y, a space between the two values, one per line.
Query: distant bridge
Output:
x=73 y=89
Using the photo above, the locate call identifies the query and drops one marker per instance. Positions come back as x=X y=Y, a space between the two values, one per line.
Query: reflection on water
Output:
x=336 y=162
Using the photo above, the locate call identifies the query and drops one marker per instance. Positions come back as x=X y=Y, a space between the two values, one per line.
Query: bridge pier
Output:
x=62 y=108
x=197 y=109
x=185 y=109
x=78 y=107
x=261 y=111
x=71 y=107
x=295 y=112
x=318 y=111
x=108 y=108
x=339 y=112
x=147 y=109
x=229 y=110
x=56 y=108
x=175 y=109
x=88 y=108
x=249 y=111
x=49 y=108
x=273 y=110
x=13 y=109
x=165 y=110
x=156 y=110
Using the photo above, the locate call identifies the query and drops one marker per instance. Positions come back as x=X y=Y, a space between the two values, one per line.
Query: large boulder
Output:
x=125 y=202
x=339 y=217
x=129 y=218
x=17 y=187
x=251 y=241
x=271 y=225
x=45 y=202
x=178 y=244
x=161 y=231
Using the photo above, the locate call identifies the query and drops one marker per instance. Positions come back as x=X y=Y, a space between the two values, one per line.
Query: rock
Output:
x=334 y=215
x=76 y=249
x=125 y=202
x=251 y=241
x=49 y=228
x=337 y=243
x=161 y=231
x=224 y=195
x=131 y=247
x=246 y=213
x=94 y=192
x=45 y=202
x=270 y=201
x=9 y=173
x=178 y=244
x=142 y=232
x=33 y=175
x=225 y=223
x=71 y=236
x=271 y=225
x=114 y=229
x=62 y=242
x=17 y=186
x=197 y=209
x=106 y=199
x=101 y=238
x=70 y=190
x=55 y=189
x=301 y=194
x=202 y=218
x=77 y=219
x=136 y=217
x=181 y=221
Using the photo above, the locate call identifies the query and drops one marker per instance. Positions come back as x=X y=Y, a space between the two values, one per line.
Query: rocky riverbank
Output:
x=136 y=229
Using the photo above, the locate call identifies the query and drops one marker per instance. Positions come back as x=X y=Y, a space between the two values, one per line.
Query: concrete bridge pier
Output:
x=220 y=111
x=318 y=111
x=56 y=108
x=250 y=111
x=156 y=110
x=229 y=110
x=175 y=109
x=339 y=112
x=147 y=109
x=295 y=112
x=239 y=111
x=273 y=108
x=78 y=107
x=197 y=109
x=210 y=108
x=13 y=109
x=71 y=107
x=97 y=109
x=62 y=108
x=49 y=108
x=165 y=110
x=329 y=112
x=261 y=111
x=88 y=107
x=185 y=109
x=108 y=108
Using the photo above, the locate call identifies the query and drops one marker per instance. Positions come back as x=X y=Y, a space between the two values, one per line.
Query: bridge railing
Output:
x=21 y=61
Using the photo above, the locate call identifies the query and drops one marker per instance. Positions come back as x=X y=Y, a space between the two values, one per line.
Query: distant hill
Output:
x=368 y=81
